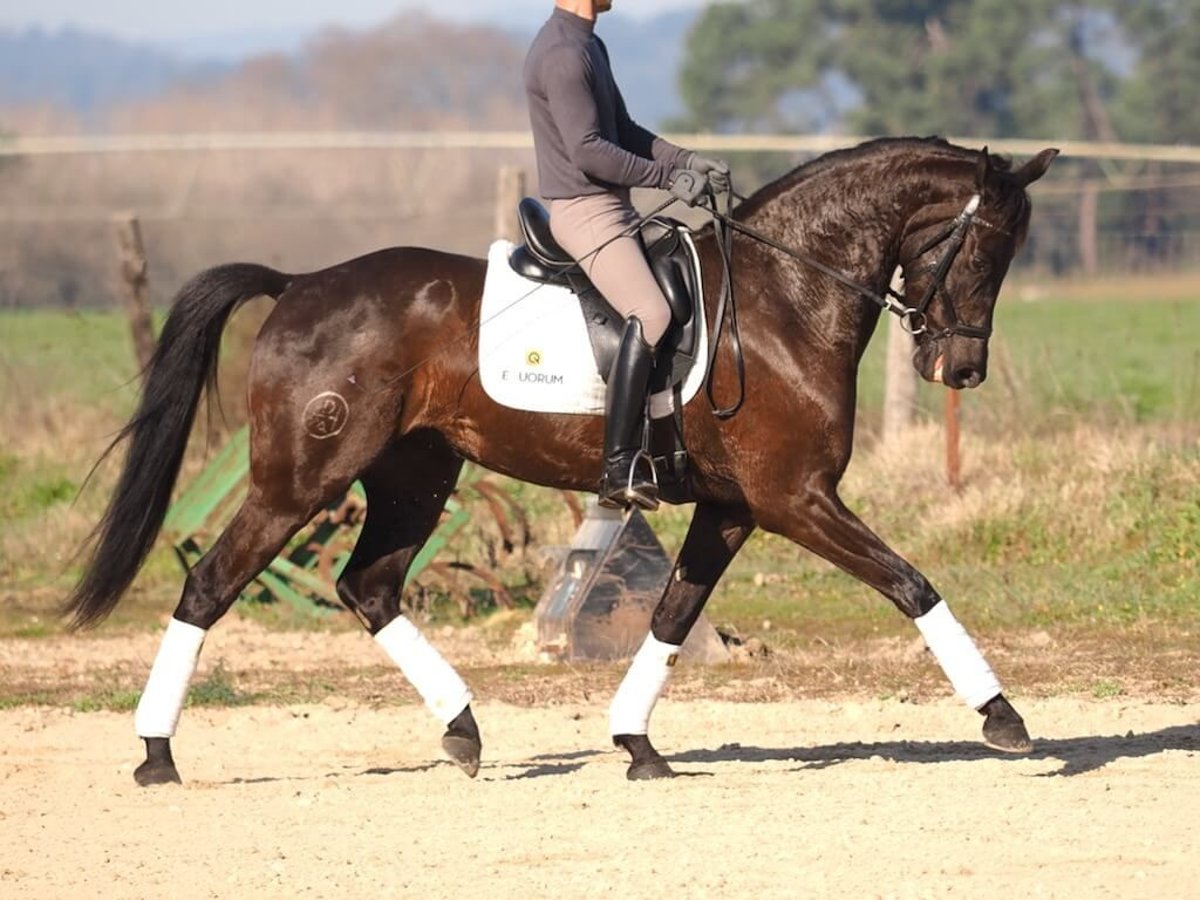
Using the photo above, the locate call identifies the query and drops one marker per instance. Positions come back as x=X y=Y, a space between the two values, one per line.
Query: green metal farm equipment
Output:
x=305 y=574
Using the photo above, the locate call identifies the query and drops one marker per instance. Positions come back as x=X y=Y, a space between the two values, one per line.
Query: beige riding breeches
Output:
x=619 y=270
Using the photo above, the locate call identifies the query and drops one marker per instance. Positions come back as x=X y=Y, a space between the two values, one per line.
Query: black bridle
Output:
x=914 y=318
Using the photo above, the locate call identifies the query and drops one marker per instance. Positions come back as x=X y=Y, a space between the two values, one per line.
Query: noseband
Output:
x=915 y=318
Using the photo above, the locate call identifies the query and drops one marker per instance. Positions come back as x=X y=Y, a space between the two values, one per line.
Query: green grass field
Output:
x=85 y=357
x=1059 y=362
x=1108 y=360
x=1080 y=504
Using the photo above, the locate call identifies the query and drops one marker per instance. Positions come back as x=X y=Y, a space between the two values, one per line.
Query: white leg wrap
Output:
x=642 y=686
x=444 y=692
x=166 y=688
x=970 y=675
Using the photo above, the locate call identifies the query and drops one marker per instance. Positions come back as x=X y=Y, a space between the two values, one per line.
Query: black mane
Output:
x=936 y=147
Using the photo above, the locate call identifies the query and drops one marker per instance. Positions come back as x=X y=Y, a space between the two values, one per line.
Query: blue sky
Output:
x=171 y=22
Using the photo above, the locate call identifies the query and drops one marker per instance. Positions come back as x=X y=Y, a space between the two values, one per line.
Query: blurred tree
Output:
x=1100 y=70
x=295 y=209
x=961 y=67
x=1160 y=100
x=411 y=73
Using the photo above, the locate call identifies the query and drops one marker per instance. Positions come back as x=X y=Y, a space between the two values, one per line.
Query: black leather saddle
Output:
x=671 y=260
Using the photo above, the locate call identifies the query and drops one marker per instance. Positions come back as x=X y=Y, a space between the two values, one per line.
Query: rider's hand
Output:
x=716 y=170
x=689 y=185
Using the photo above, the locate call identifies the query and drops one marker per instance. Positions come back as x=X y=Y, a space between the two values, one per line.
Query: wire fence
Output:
x=303 y=201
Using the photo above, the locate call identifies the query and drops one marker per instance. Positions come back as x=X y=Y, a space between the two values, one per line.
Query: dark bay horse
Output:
x=368 y=370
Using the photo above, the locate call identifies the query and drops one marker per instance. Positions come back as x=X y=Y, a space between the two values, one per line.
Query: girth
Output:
x=541 y=259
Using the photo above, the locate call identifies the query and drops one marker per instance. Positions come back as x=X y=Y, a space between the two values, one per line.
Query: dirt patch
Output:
x=863 y=793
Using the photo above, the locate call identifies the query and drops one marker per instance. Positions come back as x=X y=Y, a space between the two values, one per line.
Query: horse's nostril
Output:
x=968 y=377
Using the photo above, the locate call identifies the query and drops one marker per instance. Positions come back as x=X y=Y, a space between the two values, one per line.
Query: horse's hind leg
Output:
x=713 y=539
x=407 y=486
x=817 y=519
x=257 y=533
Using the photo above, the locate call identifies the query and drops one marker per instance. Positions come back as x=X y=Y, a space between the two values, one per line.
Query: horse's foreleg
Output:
x=714 y=537
x=245 y=548
x=819 y=521
x=407 y=487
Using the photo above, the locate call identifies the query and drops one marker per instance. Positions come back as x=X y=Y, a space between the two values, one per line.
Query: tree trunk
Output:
x=900 y=380
x=1097 y=125
x=1089 y=253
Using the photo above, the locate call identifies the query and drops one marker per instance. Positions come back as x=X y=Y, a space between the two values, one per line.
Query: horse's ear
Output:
x=983 y=169
x=1036 y=167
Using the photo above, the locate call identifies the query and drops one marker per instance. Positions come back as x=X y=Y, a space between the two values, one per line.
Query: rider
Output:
x=589 y=154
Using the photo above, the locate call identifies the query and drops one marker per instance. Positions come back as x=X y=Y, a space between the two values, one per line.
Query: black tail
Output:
x=183 y=363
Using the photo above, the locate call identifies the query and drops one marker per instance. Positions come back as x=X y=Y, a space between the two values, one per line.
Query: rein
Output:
x=725 y=299
x=913 y=318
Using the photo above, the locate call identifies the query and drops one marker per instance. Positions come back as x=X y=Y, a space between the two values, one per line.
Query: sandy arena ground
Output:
x=852 y=797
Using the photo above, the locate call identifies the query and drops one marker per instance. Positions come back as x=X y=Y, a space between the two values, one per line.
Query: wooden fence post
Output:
x=510 y=188
x=133 y=275
x=953 y=460
x=900 y=378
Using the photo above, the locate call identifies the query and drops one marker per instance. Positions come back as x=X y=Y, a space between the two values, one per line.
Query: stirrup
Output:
x=643 y=495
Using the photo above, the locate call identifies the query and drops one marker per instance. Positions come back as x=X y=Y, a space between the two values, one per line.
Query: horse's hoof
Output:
x=159 y=767
x=462 y=742
x=1003 y=728
x=154 y=771
x=645 y=764
x=650 y=771
x=464 y=751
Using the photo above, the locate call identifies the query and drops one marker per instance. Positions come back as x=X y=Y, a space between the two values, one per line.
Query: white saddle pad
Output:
x=534 y=351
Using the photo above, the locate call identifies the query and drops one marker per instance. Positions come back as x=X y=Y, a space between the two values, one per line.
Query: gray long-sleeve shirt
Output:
x=584 y=139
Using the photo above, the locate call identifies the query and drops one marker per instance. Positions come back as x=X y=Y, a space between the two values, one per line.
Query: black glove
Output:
x=716 y=170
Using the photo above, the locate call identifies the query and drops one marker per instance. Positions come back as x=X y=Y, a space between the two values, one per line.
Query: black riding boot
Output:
x=628 y=476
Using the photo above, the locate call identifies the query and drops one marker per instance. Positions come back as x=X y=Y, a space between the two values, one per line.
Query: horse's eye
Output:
x=979 y=263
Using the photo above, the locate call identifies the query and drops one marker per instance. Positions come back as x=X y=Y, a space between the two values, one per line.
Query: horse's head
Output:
x=954 y=259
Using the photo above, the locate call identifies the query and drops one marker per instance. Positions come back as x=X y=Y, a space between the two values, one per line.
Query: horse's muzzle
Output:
x=937 y=362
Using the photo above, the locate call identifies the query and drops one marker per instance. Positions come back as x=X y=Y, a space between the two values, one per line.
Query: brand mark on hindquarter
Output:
x=325 y=415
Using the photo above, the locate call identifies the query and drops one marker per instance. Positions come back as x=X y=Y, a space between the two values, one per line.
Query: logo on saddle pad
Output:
x=534 y=349
x=533 y=359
